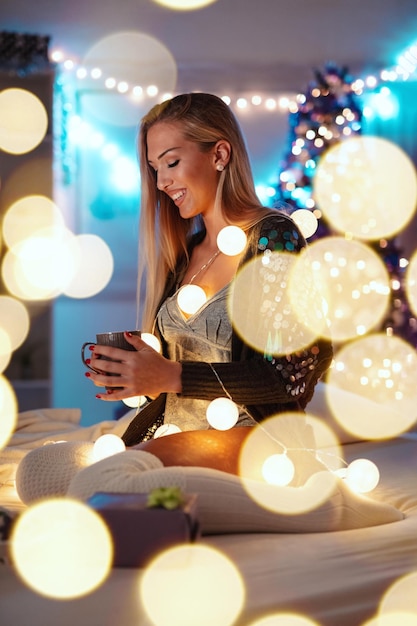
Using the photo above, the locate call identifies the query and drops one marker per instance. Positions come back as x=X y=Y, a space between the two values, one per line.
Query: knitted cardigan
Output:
x=264 y=384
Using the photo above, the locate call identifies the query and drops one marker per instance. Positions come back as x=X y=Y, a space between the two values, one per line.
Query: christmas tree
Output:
x=326 y=114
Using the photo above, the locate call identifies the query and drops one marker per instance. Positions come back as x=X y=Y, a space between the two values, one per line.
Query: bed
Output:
x=337 y=577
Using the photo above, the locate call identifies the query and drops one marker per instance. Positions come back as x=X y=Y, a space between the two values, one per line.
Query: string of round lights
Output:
x=404 y=70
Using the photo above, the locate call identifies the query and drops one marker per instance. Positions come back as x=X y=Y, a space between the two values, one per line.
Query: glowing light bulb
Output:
x=134 y=401
x=341 y=472
x=151 y=340
x=231 y=240
x=362 y=475
x=107 y=445
x=222 y=413
x=278 y=470
x=191 y=298
x=166 y=429
x=306 y=221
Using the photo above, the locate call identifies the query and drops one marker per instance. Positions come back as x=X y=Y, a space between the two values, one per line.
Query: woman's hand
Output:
x=142 y=372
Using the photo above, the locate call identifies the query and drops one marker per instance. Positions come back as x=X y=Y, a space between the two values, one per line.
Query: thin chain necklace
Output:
x=205 y=266
x=192 y=297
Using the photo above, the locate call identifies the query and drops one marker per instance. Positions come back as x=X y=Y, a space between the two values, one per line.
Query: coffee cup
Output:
x=114 y=339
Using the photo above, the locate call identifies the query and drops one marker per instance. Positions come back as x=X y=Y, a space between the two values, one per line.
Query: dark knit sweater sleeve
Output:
x=253 y=378
x=258 y=381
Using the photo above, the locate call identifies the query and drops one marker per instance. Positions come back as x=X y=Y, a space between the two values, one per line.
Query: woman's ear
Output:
x=222 y=152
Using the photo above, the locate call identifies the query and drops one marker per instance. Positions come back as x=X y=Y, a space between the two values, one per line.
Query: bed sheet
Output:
x=336 y=578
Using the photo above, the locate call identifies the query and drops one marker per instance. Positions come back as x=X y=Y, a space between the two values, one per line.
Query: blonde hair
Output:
x=163 y=233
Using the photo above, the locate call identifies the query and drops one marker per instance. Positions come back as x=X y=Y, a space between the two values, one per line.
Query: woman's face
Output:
x=187 y=175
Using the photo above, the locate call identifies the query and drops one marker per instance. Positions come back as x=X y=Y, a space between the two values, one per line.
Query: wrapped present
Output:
x=142 y=525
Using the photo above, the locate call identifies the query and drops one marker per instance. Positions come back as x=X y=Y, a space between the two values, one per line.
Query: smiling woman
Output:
x=196 y=184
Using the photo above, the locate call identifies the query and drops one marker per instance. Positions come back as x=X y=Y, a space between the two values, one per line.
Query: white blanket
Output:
x=337 y=578
x=224 y=502
x=38 y=427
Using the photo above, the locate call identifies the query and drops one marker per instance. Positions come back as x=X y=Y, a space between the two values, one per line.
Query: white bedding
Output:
x=337 y=578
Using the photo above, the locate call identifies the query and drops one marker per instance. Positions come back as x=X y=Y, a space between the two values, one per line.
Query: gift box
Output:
x=140 y=529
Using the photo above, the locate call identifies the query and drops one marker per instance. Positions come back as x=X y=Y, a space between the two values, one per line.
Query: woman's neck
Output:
x=213 y=225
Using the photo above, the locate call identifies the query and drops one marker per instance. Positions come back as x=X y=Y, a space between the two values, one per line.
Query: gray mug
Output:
x=113 y=339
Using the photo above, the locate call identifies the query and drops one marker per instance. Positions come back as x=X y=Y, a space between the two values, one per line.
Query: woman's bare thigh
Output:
x=217 y=449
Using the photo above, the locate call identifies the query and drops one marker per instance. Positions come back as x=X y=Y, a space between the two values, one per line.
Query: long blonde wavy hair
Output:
x=163 y=234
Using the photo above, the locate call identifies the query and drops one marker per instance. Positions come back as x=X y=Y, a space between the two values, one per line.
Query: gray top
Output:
x=204 y=336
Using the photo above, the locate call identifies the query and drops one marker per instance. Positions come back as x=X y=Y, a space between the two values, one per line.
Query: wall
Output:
x=20 y=175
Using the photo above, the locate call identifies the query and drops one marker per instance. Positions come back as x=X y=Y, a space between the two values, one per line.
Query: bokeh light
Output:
x=284 y=619
x=371 y=388
x=314 y=462
x=61 y=548
x=199 y=579
x=306 y=221
x=28 y=215
x=366 y=186
x=8 y=411
x=24 y=121
x=184 y=5
x=231 y=240
x=136 y=60
x=94 y=267
x=349 y=277
x=107 y=445
x=410 y=282
x=41 y=266
x=222 y=413
x=401 y=596
x=260 y=307
x=14 y=320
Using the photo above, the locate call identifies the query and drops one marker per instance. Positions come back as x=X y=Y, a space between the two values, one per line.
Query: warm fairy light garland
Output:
x=361 y=475
x=404 y=70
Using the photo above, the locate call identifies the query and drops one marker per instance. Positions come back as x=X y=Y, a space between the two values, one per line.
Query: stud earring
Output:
x=219 y=167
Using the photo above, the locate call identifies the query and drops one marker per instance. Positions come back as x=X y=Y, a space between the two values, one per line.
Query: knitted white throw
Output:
x=47 y=471
x=224 y=506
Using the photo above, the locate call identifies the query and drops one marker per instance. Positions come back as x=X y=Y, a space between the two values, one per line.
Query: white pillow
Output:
x=47 y=471
x=224 y=505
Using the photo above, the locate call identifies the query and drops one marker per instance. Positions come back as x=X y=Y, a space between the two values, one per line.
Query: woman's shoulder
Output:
x=273 y=216
x=273 y=228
